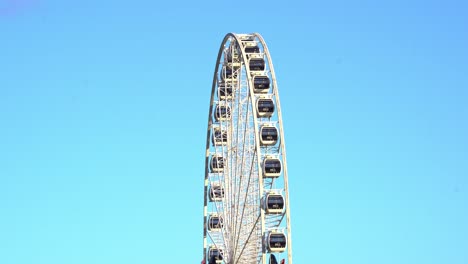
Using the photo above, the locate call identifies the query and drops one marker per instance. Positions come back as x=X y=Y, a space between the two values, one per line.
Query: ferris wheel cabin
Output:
x=276 y=241
x=265 y=107
x=257 y=64
x=227 y=73
x=224 y=91
x=271 y=167
x=268 y=135
x=215 y=253
x=232 y=55
x=222 y=113
x=216 y=193
x=261 y=84
x=215 y=223
x=219 y=137
x=251 y=49
x=217 y=163
x=274 y=203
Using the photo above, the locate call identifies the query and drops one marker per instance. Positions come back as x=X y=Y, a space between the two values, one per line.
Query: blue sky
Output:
x=103 y=109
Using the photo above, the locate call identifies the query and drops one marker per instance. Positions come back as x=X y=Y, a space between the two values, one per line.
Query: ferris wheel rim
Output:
x=229 y=37
x=283 y=145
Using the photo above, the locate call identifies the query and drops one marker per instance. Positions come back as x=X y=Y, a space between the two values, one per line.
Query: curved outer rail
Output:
x=283 y=145
x=207 y=154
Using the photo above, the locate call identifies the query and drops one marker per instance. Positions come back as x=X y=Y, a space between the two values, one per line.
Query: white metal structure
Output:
x=245 y=235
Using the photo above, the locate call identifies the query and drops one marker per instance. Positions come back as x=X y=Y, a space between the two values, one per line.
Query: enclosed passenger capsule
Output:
x=246 y=37
x=268 y=135
x=257 y=64
x=249 y=42
x=274 y=203
x=276 y=241
x=216 y=193
x=222 y=112
x=231 y=55
x=217 y=163
x=251 y=49
x=227 y=73
x=231 y=58
x=219 y=137
x=265 y=107
x=261 y=84
x=216 y=253
x=224 y=91
x=271 y=167
x=215 y=223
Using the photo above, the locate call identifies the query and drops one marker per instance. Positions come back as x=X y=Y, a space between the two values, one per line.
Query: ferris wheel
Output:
x=246 y=200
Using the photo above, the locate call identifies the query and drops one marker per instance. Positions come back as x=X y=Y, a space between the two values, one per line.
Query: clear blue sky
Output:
x=103 y=112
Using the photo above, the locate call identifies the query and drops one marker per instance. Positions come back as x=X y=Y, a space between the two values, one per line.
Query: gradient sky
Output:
x=103 y=115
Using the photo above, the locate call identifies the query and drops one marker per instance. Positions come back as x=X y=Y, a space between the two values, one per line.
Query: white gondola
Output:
x=249 y=43
x=230 y=57
x=215 y=223
x=251 y=48
x=276 y=241
x=261 y=84
x=265 y=107
x=246 y=37
x=268 y=135
x=224 y=91
x=271 y=167
x=216 y=193
x=274 y=203
x=222 y=113
x=216 y=253
x=227 y=73
x=219 y=137
x=217 y=163
x=257 y=65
